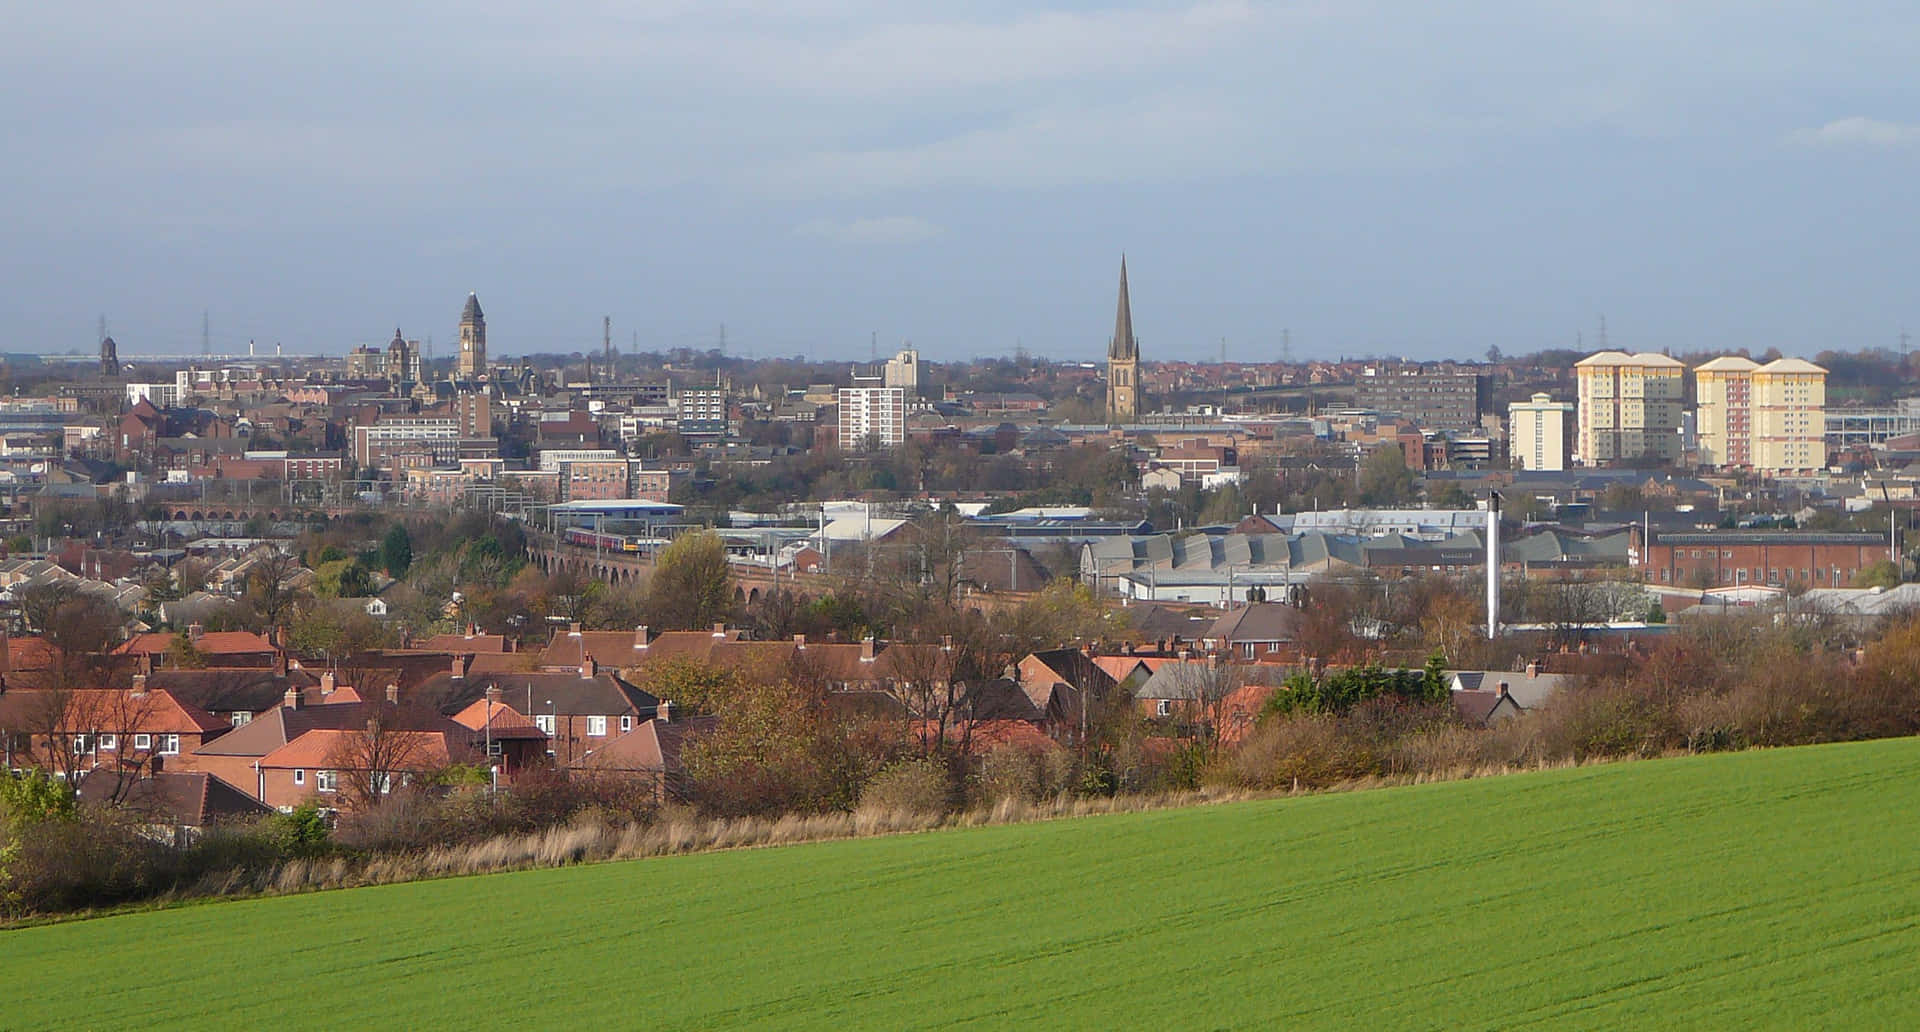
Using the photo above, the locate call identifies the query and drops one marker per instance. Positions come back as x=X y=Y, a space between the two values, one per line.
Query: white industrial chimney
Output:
x=1493 y=564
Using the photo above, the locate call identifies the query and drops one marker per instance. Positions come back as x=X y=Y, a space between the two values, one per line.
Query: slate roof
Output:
x=192 y=799
x=1260 y=622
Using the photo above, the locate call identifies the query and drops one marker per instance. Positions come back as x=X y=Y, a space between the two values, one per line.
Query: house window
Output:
x=241 y=717
x=82 y=744
x=382 y=783
x=1163 y=708
x=596 y=727
x=626 y=722
x=109 y=742
x=299 y=777
x=325 y=780
x=143 y=741
x=169 y=745
x=544 y=721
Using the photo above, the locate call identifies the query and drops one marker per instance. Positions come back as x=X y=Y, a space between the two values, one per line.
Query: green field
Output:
x=1775 y=889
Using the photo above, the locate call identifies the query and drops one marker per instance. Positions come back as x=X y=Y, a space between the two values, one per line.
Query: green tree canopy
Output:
x=1385 y=480
x=692 y=585
x=396 y=551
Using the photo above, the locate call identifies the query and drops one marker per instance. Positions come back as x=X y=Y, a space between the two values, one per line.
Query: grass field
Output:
x=1776 y=889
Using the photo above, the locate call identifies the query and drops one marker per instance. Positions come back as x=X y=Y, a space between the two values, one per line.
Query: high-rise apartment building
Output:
x=1537 y=433
x=1629 y=407
x=1789 y=416
x=872 y=416
x=1771 y=418
x=1723 y=410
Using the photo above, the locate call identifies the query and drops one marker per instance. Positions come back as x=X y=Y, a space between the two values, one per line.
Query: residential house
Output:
x=237 y=756
x=323 y=764
x=653 y=753
x=505 y=733
x=129 y=732
x=175 y=807
x=1256 y=629
x=579 y=710
x=220 y=648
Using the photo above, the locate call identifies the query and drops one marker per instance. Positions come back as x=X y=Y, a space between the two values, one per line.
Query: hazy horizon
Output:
x=1378 y=180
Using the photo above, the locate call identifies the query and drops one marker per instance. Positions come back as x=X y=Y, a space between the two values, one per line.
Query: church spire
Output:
x=1123 y=360
x=1123 y=346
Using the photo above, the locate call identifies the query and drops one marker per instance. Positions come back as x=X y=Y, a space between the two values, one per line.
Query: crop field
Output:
x=1777 y=889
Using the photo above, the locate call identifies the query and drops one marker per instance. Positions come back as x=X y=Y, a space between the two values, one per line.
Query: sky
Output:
x=1355 y=178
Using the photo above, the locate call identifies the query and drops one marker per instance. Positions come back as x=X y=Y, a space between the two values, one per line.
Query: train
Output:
x=604 y=542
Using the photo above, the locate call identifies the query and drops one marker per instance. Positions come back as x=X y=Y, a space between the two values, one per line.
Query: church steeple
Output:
x=1123 y=346
x=1123 y=360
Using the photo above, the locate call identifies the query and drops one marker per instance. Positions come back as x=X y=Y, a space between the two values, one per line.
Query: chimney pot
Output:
x=326 y=683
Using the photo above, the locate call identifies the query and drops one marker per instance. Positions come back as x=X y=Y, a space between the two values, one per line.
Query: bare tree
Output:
x=93 y=733
x=373 y=762
x=1204 y=686
x=273 y=590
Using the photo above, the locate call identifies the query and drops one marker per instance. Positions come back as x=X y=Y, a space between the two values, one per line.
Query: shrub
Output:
x=909 y=786
x=1016 y=772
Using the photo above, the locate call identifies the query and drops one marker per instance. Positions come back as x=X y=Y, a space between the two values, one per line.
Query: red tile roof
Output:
x=507 y=722
x=322 y=748
x=464 y=644
x=212 y=643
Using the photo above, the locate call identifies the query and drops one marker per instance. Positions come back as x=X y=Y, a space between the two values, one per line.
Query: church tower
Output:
x=109 y=358
x=1123 y=361
x=472 y=363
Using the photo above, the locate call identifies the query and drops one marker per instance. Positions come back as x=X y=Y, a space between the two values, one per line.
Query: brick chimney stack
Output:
x=393 y=695
x=640 y=638
x=139 y=684
x=279 y=663
x=587 y=667
x=720 y=630
x=493 y=694
x=293 y=699
x=326 y=683
x=458 y=672
x=866 y=649
x=800 y=642
x=664 y=713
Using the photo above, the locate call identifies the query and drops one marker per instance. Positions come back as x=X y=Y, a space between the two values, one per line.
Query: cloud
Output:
x=1857 y=131
x=889 y=229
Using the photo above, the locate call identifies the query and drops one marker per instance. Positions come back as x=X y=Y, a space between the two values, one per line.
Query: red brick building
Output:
x=1768 y=557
